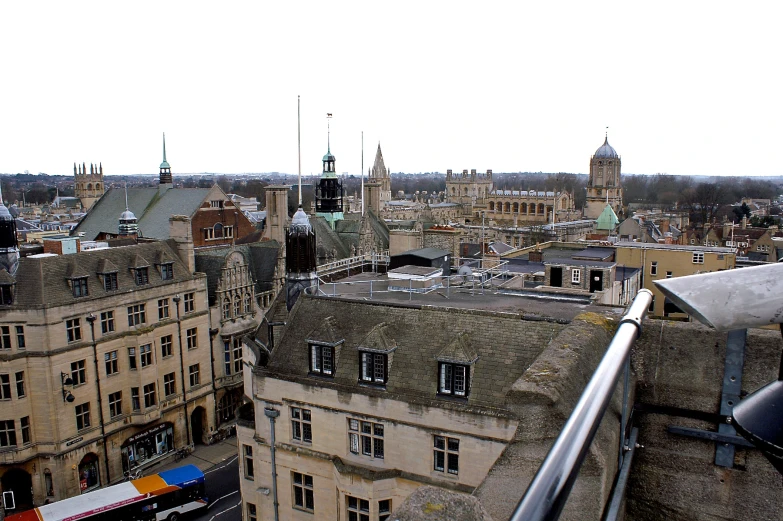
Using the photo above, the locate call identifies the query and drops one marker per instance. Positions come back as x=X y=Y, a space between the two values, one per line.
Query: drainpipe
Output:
x=176 y=300
x=91 y=320
x=271 y=413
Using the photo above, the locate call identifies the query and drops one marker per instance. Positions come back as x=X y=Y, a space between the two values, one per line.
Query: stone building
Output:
x=105 y=366
x=603 y=183
x=658 y=261
x=88 y=188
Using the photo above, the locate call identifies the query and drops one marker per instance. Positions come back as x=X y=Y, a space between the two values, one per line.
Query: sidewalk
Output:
x=203 y=456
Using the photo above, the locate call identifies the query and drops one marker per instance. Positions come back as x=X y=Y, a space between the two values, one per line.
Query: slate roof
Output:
x=151 y=207
x=424 y=253
x=45 y=279
x=500 y=346
x=261 y=257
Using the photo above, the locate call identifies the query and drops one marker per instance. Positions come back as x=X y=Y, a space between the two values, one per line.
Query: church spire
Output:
x=165 y=168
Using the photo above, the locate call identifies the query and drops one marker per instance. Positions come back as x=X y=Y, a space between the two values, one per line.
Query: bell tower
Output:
x=88 y=187
x=603 y=183
x=329 y=190
x=165 y=169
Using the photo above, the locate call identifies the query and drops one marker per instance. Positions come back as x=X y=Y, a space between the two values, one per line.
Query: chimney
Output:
x=744 y=222
x=181 y=232
x=535 y=256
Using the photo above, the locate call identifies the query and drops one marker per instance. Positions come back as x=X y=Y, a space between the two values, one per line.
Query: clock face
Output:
x=234 y=258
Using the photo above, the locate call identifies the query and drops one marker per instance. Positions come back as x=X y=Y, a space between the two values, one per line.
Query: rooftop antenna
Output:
x=362 y=173
x=299 y=145
x=328 y=132
x=126 y=195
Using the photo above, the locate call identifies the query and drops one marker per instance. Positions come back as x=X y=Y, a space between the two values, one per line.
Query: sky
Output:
x=685 y=88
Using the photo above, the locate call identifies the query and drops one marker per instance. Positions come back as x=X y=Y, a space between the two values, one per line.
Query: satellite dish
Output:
x=465 y=272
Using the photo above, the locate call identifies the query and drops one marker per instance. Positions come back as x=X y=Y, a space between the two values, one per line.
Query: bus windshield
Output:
x=158 y=496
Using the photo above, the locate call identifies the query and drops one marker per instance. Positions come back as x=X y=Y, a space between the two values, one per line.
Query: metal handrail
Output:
x=548 y=492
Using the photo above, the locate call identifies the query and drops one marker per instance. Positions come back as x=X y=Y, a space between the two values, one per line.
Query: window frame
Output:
x=357 y=509
x=169 y=384
x=137 y=314
x=79 y=372
x=166 y=346
x=73 y=330
x=110 y=281
x=363 y=434
x=115 y=404
x=149 y=391
x=111 y=362
x=135 y=399
x=316 y=360
x=141 y=275
x=20 y=340
x=248 y=470
x=304 y=487
x=79 y=287
x=697 y=257
x=25 y=428
x=167 y=271
x=189 y=302
x=191 y=338
x=5 y=386
x=21 y=392
x=653 y=268
x=145 y=355
x=576 y=276
x=8 y=433
x=133 y=364
x=451 y=379
x=301 y=425
x=5 y=337
x=82 y=412
x=163 y=309
x=446 y=454
x=368 y=367
x=107 y=322
x=194 y=375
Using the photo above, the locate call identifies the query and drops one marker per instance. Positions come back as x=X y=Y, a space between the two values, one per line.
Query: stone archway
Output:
x=20 y=482
x=198 y=420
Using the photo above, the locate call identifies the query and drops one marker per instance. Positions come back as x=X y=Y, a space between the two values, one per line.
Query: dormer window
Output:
x=79 y=287
x=373 y=367
x=167 y=271
x=453 y=379
x=6 y=294
x=142 y=276
x=216 y=204
x=110 y=281
x=322 y=360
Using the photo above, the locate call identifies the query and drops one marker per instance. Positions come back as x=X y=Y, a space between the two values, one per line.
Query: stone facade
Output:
x=96 y=368
x=88 y=188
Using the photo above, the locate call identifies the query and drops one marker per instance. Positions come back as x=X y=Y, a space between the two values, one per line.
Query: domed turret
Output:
x=300 y=258
x=128 y=223
x=606 y=150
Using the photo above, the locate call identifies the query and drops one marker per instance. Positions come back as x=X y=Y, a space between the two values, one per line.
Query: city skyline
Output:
x=505 y=87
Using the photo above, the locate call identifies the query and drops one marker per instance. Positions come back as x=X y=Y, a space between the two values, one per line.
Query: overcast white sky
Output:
x=685 y=87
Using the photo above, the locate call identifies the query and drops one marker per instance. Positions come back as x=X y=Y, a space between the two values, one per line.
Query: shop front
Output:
x=89 y=473
x=147 y=446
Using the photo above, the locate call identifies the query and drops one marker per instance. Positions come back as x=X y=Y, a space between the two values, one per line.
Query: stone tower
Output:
x=300 y=258
x=603 y=184
x=165 y=170
x=88 y=187
x=380 y=174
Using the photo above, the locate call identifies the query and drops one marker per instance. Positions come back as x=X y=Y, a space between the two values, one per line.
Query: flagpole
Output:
x=299 y=144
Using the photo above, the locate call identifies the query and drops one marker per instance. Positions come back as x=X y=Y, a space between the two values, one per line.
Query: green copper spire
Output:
x=164 y=164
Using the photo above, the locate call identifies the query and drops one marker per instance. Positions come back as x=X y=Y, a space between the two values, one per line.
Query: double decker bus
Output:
x=164 y=496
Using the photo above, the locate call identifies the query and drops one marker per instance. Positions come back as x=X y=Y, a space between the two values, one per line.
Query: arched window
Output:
x=516 y=208
x=217 y=230
x=492 y=206
x=97 y=186
x=524 y=208
x=541 y=208
x=89 y=186
x=237 y=306
x=248 y=303
x=507 y=208
x=226 y=308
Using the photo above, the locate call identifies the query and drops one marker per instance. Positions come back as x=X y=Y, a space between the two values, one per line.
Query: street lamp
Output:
x=66 y=381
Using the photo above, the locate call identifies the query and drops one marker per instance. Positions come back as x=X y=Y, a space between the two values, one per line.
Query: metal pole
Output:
x=272 y=414
x=91 y=320
x=547 y=494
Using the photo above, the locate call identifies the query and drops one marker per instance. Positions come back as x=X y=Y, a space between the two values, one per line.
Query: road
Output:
x=225 y=501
